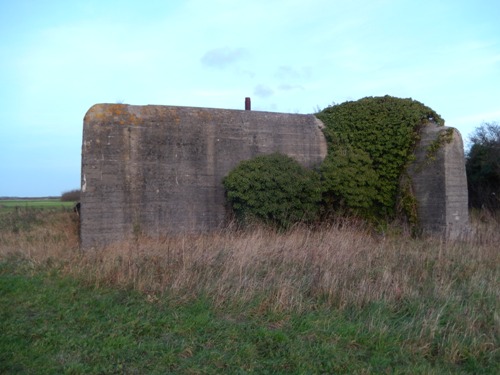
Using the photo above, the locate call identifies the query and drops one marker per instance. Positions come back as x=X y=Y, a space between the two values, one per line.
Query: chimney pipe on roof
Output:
x=248 y=104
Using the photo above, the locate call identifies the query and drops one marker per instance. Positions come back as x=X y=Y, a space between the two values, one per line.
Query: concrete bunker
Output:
x=158 y=170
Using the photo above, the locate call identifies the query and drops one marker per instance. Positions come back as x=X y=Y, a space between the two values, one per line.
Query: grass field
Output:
x=12 y=204
x=336 y=300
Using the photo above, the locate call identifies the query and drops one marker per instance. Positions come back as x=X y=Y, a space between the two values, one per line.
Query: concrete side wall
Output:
x=158 y=170
x=440 y=185
x=457 y=197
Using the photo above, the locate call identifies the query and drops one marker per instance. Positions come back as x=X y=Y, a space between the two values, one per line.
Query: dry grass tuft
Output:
x=340 y=265
x=443 y=298
x=39 y=236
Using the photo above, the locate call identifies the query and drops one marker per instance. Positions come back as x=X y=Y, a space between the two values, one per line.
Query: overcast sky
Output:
x=58 y=58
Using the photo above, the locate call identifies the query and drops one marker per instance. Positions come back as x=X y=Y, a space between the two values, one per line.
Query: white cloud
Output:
x=287 y=72
x=263 y=91
x=223 y=57
x=288 y=87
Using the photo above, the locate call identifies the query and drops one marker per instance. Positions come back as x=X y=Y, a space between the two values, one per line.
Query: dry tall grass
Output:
x=38 y=236
x=447 y=293
x=341 y=264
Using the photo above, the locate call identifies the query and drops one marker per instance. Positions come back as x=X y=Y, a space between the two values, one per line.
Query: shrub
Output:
x=274 y=189
x=483 y=167
x=71 y=196
x=378 y=135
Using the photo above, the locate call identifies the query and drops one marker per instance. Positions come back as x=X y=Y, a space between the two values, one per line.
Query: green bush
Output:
x=378 y=136
x=483 y=167
x=274 y=189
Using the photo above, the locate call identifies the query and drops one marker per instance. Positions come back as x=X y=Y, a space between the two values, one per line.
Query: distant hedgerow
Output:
x=71 y=196
x=274 y=189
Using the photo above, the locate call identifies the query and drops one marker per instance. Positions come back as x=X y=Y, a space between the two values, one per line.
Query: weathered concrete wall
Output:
x=158 y=170
x=440 y=184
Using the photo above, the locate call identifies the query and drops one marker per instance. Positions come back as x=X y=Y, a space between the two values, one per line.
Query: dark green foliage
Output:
x=349 y=179
x=274 y=189
x=483 y=167
x=379 y=134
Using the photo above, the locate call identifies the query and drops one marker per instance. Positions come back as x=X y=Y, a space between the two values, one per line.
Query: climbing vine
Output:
x=407 y=203
x=383 y=132
x=371 y=143
x=445 y=136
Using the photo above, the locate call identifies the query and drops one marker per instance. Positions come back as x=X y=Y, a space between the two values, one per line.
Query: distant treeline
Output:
x=71 y=196
x=28 y=198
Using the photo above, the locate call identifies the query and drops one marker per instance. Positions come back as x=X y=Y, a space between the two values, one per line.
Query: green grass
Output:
x=256 y=302
x=12 y=204
x=53 y=324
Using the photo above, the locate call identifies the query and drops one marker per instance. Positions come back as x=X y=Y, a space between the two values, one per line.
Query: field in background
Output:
x=340 y=299
x=11 y=204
